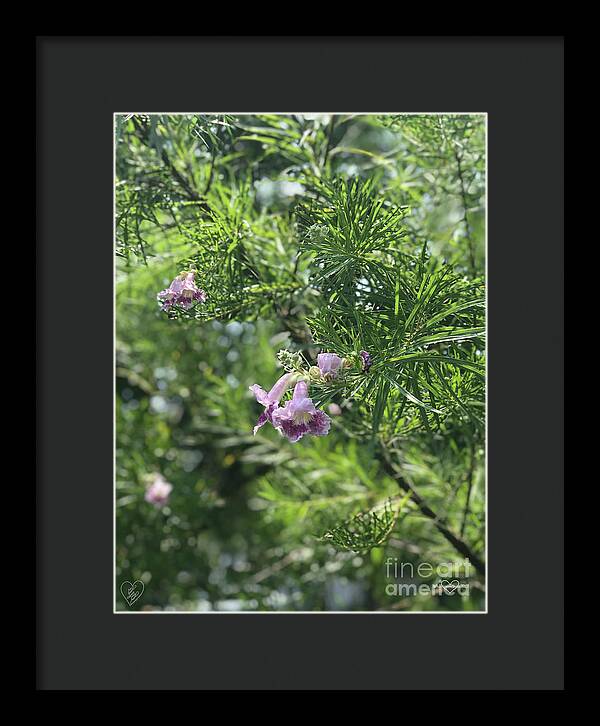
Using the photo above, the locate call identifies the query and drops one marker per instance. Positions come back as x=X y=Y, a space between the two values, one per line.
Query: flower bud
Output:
x=366 y=360
x=315 y=373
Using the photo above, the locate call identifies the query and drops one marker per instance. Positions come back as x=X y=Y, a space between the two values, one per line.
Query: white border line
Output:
x=291 y=612
x=114 y=381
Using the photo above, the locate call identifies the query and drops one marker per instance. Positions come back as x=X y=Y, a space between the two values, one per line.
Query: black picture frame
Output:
x=81 y=644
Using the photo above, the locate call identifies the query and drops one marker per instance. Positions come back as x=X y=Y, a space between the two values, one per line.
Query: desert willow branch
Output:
x=143 y=135
x=459 y=544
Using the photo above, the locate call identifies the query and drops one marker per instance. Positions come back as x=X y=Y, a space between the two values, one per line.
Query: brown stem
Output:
x=469 y=488
x=142 y=132
x=191 y=193
x=459 y=544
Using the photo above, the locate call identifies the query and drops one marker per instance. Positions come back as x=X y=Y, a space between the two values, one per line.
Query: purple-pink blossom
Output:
x=329 y=364
x=334 y=409
x=182 y=291
x=299 y=416
x=158 y=491
x=271 y=399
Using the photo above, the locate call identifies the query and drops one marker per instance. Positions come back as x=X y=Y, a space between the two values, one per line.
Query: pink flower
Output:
x=182 y=291
x=334 y=409
x=329 y=364
x=299 y=416
x=158 y=491
x=296 y=417
x=271 y=399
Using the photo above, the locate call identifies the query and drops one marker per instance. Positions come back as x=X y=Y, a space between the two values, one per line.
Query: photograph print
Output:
x=300 y=366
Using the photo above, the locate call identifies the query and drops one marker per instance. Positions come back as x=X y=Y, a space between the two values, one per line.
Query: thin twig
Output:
x=469 y=487
x=143 y=135
x=210 y=173
x=465 y=219
x=181 y=180
x=459 y=544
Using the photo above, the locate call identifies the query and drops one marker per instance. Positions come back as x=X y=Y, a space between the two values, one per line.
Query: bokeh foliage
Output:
x=314 y=232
